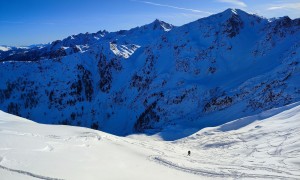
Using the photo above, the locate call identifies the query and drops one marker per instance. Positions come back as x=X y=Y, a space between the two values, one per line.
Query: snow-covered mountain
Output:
x=264 y=146
x=157 y=77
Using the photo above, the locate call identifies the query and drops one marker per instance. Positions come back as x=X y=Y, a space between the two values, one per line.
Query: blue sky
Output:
x=25 y=22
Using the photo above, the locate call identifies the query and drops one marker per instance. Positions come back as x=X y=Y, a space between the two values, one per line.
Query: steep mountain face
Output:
x=157 y=77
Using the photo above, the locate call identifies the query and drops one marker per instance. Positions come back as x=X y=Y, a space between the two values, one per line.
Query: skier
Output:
x=189 y=153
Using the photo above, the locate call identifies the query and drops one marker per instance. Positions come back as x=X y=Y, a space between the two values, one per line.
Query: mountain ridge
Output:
x=150 y=79
x=228 y=12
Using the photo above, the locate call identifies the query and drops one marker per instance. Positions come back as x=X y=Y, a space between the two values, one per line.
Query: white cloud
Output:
x=234 y=2
x=286 y=6
x=173 y=7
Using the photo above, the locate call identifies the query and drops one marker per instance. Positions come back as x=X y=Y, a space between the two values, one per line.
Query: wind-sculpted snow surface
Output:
x=264 y=146
x=157 y=77
x=261 y=146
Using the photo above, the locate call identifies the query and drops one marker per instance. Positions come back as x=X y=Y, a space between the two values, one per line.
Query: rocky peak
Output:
x=229 y=13
x=159 y=25
x=284 y=22
x=237 y=14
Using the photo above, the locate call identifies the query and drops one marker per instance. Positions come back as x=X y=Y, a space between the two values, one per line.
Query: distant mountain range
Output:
x=157 y=77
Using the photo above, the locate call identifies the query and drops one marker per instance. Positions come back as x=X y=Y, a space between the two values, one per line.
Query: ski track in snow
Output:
x=224 y=170
x=27 y=173
x=238 y=154
x=275 y=144
x=233 y=170
x=222 y=174
x=82 y=137
x=227 y=171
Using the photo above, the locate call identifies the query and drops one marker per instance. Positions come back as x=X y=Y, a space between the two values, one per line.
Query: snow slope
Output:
x=264 y=146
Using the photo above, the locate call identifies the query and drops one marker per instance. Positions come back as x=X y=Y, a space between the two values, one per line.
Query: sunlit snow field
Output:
x=265 y=146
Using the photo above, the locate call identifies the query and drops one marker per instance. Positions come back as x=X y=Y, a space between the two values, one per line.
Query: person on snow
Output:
x=189 y=153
